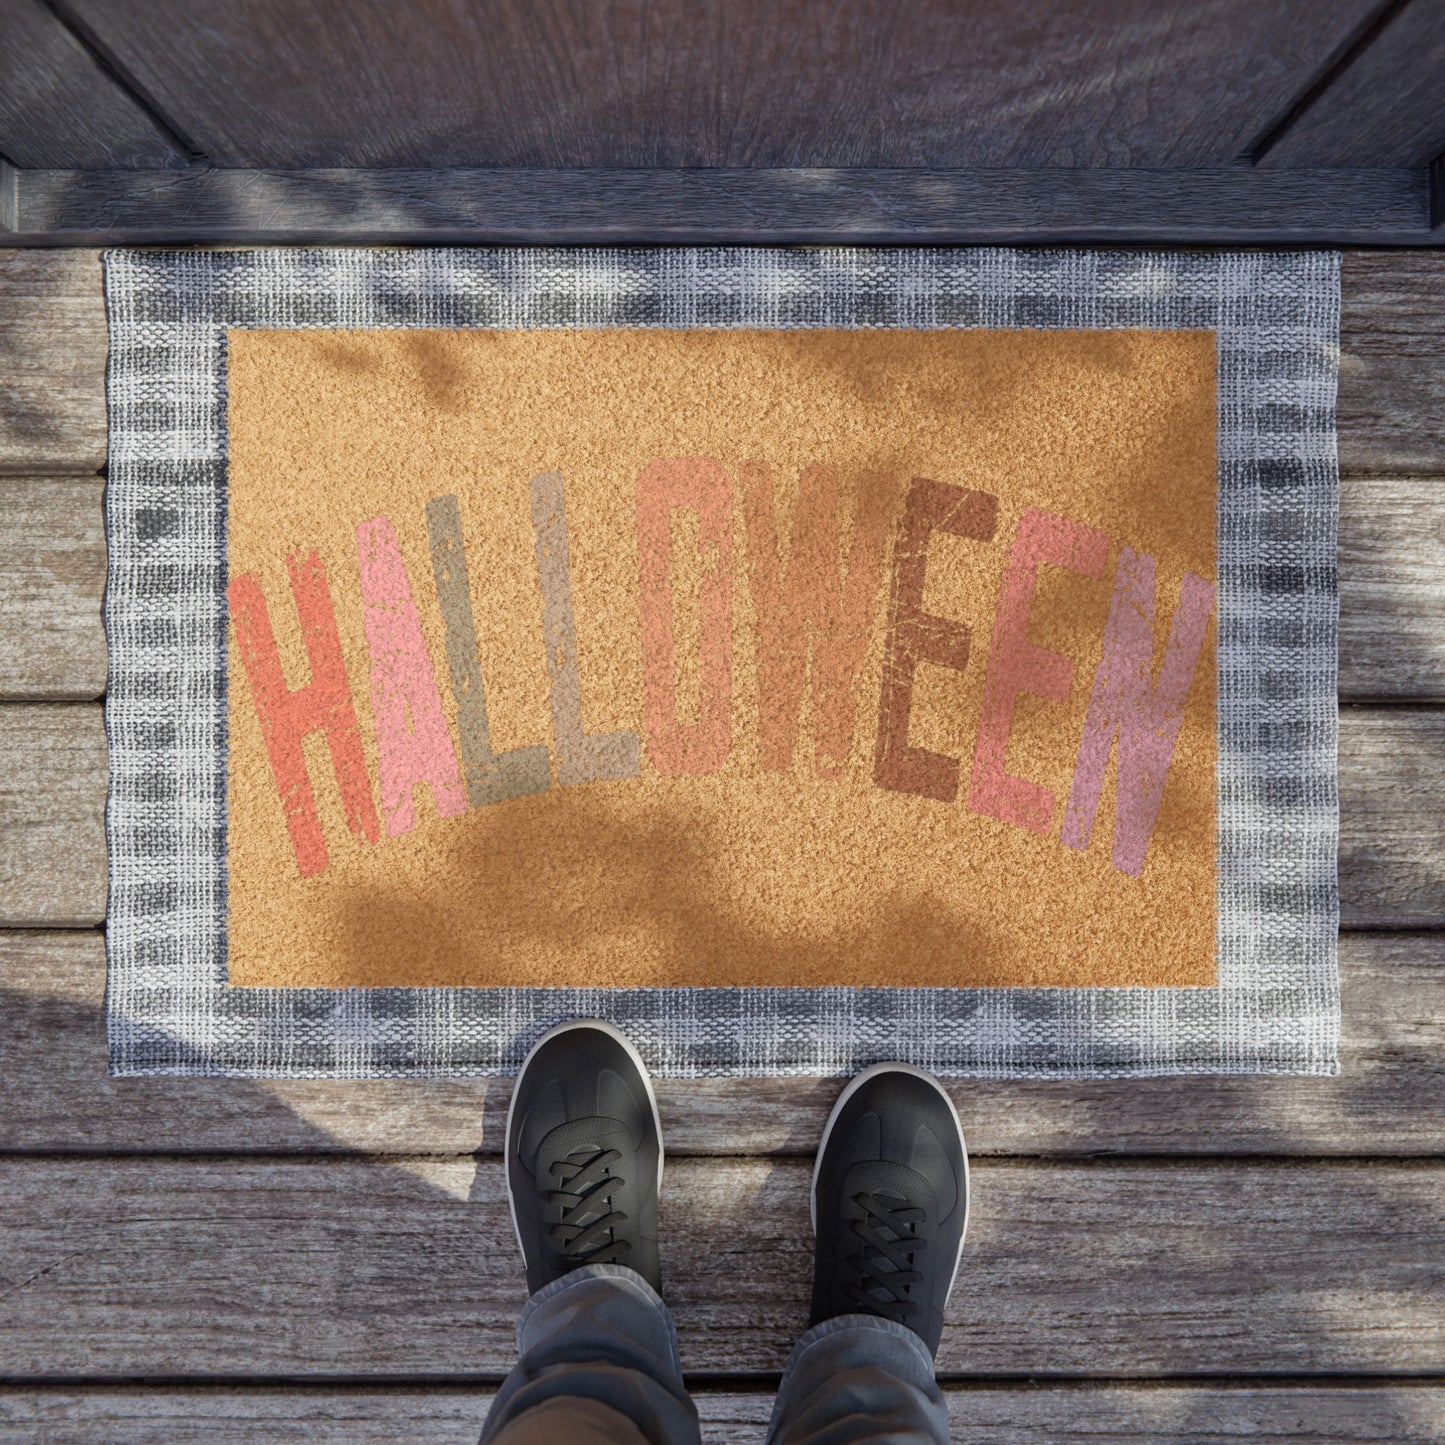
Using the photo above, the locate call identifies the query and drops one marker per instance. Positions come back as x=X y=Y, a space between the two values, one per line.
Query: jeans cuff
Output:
x=626 y=1279
x=859 y=1324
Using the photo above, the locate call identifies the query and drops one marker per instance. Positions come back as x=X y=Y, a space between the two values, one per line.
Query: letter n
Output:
x=324 y=704
x=1145 y=718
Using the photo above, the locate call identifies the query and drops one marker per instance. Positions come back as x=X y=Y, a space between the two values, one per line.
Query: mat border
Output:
x=1276 y=1010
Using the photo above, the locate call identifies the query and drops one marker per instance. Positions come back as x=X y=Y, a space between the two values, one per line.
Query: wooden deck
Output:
x=1174 y=1260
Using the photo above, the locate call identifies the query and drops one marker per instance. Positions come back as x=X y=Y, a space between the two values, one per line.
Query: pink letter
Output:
x=1146 y=719
x=662 y=486
x=402 y=684
x=1016 y=665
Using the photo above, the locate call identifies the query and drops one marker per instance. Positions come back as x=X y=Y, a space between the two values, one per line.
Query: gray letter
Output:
x=490 y=778
x=580 y=759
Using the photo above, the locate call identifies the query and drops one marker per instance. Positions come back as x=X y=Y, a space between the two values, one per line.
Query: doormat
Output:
x=799 y=657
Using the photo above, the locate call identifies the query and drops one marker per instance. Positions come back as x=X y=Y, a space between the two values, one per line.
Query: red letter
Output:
x=662 y=486
x=916 y=636
x=1015 y=665
x=403 y=687
x=811 y=608
x=287 y=717
x=1146 y=719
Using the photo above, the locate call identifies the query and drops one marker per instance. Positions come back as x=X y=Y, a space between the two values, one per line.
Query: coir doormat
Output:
x=799 y=657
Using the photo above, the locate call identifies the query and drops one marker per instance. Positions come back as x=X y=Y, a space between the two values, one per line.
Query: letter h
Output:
x=288 y=716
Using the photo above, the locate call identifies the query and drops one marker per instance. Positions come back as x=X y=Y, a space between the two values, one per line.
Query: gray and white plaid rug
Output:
x=1276 y=1008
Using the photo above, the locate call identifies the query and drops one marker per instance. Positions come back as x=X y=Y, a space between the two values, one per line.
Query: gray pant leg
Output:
x=859 y=1380
x=598 y=1363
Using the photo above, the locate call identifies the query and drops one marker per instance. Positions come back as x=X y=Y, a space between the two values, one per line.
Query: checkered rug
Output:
x=173 y=1004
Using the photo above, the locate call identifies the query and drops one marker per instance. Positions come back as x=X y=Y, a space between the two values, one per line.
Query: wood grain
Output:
x=58 y=107
x=1392 y=818
x=1203 y=1413
x=52 y=575
x=1382 y=109
x=296 y=83
x=52 y=797
x=1392 y=362
x=288 y=1268
x=55 y=1095
x=1230 y=205
x=1392 y=589
x=53 y=774
x=52 y=362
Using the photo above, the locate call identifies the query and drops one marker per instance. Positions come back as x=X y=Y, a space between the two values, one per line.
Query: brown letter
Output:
x=915 y=636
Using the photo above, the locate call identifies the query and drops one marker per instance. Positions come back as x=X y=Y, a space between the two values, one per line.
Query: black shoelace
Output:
x=585 y=1229
x=888 y=1227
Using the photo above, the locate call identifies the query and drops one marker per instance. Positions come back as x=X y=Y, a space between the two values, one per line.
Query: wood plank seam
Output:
x=1349 y=51
x=1089 y=1270
x=114 y=69
x=53 y=856
x=56 y=1099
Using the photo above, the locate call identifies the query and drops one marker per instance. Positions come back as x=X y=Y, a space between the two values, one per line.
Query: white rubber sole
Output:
x=612 y=1032
x=853 y=1086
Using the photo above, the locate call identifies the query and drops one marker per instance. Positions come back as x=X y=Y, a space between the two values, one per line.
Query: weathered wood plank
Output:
x=55 y=1095
x=52 y=362
x=1392 y=362
x=1392 y=588
x=283 y=1268
x=1207 y=1413
x=1232 y=205
x=1392 y=818
x=58 y=107
x=1383 y=108
x=722 y=83
x=53 y=775
x=52 y=576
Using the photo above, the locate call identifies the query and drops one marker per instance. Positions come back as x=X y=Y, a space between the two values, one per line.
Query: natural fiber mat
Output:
x=799 y=657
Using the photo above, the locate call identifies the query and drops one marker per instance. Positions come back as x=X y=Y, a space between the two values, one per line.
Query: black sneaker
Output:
x=890 y=1201
x=584 y=1155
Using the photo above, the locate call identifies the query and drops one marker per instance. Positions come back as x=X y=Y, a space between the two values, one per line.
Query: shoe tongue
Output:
x=588 y=1136
x=882 y=1176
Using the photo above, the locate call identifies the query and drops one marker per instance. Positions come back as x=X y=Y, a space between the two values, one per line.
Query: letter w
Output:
x=813 y=609
x=1145 y=718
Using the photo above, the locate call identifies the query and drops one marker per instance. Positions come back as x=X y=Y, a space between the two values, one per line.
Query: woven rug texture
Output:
x=1275 y=321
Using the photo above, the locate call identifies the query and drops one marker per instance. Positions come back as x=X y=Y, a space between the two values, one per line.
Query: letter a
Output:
x=402 y=685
